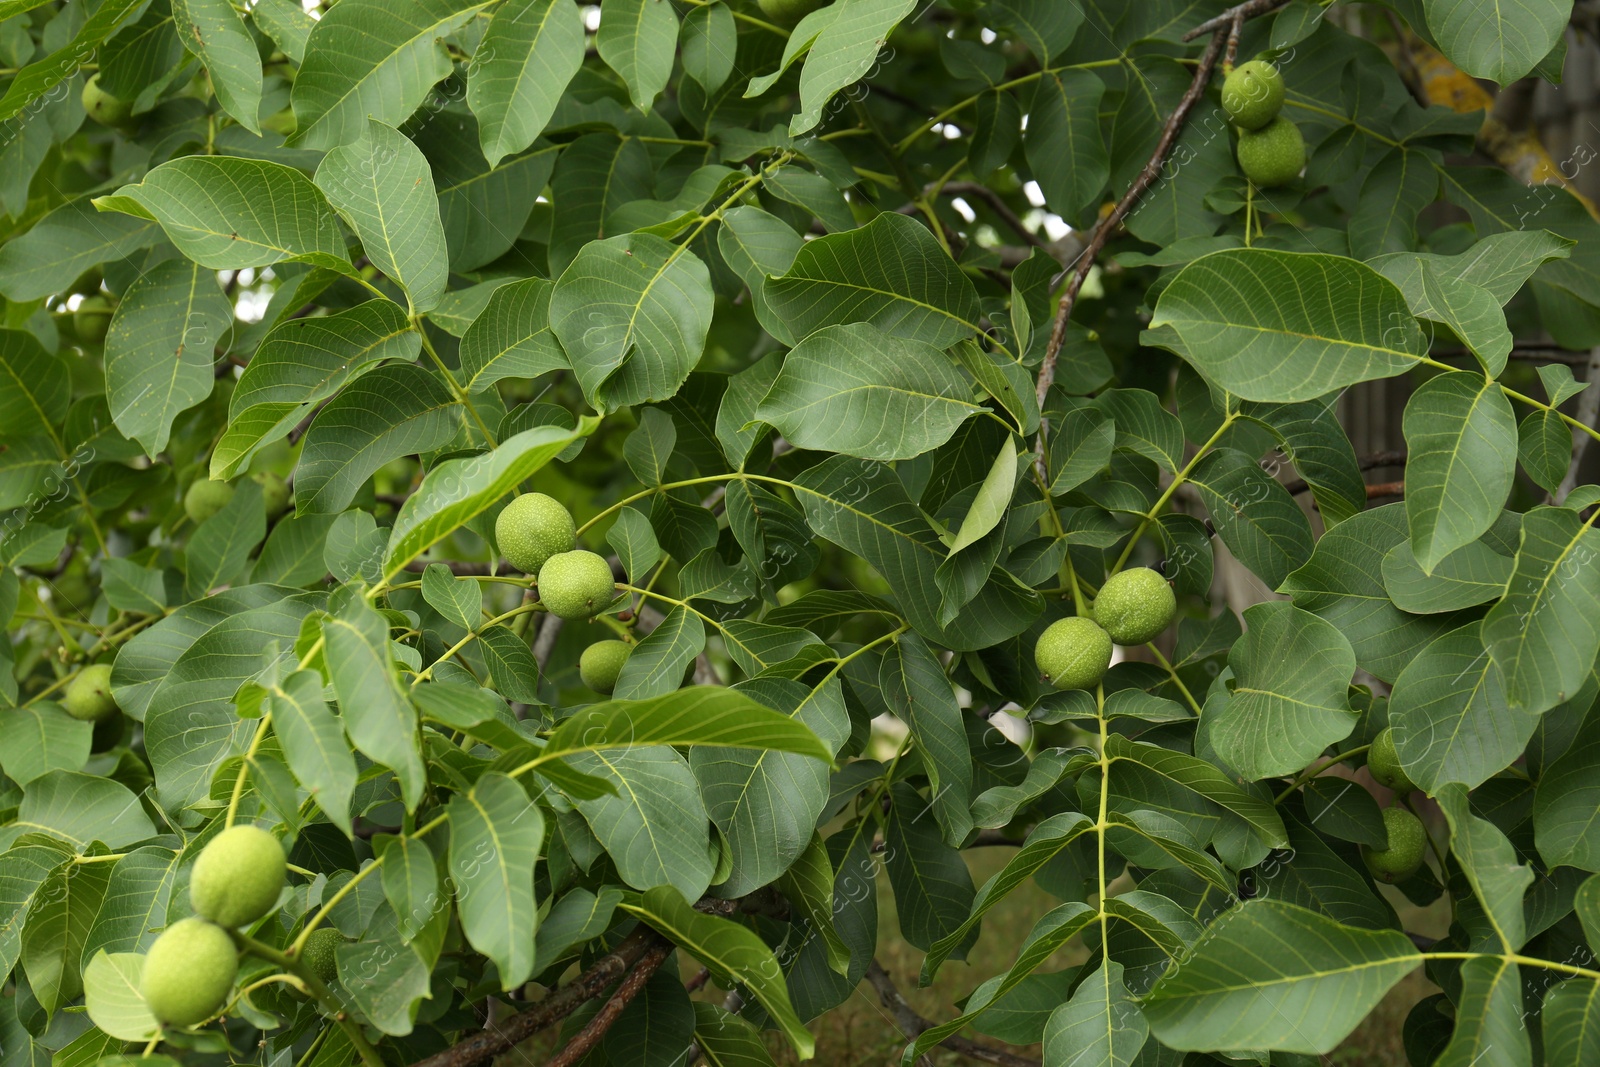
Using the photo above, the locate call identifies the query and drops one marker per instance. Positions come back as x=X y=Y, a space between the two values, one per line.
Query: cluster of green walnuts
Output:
x=538 y=537
x=190 y=969
x=1271 y=150
x=1133 y=607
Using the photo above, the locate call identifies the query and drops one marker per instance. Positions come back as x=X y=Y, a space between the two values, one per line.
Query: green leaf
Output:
x=1491 y=1025
x=43 y=75
x=1063 y=143
x=371 y=61
x=855 y=390
x=1501 y=42
x=34 y=387
x=1489 y=862
x=1571 y=1028
x=654 y=825
x=648 y=448
x=159 y=349
x=1564 y=803
x=528 y=54
x=212 y=30
x=1545 y=632
x=1559 y=384
x=632 y=313
x=734 y=954
x=495 y=836
x=190 y=724
x=710 y=44
x=381 y=185
x=66 y=242
x=458 y=490
x=1286 y=326
x=1321 y=452
x=697 y=715
x=634 y=542
x=286 y=23
x=41 y=738
x=1053 y=930
x=891 y=273
x=219 y=550
x=313 y=744
x=1080 y=448
x=133 y=911
x=724 y=1039
x=379 y=719
x=655 y=666
x=293 y=554
x=23 y=869
x=1204 y=779
x=1341 y=583
x=397 y=410
x=1395 y=192
x=1253 y=514
x=863 y=508
x=511 y=338
x=1268 y=975
x=1462 y=439
x=130 y=587
x=1449 y=714
x=1101 y=1024
x=1045 y=842
x=458 y=600
x=387 y=974
x=766 y=803
x=79 y=809
x=844 y=51
x=302 y=362
x=1472 y=574
x=227 y=213
x=112 y=997
x=1292 y=672
x=638 y=39
x=989 y=507
x=916 y=690
x=1544 y=447
x=1470 y=311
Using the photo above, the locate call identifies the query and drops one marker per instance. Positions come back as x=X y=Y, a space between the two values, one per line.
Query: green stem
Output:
x=1313 y=772
x=472 y=635
x=450 y=380
x=244 y=768
x=1177 y=480
x=1172 y=672
x=293 y=965
x=1517 y=958
x=956 y=108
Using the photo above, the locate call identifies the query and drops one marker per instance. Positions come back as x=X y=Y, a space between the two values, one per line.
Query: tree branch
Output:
x=912 y=1024
x=998 y=205
x=607 y=1016
x=1108 y=225
x=485 y=1045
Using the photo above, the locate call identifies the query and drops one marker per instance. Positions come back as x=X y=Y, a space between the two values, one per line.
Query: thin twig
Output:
x=912 y=1024
x=1386 y=489
x=1372 y=461
x=487 y=1044
x=1238 y=12
x=998 y=205
x=1588 y=411
x=611 y=1010
x=1109 y=224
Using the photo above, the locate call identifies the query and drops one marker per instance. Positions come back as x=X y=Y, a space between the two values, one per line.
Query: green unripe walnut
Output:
x=238 y=876
x=1384 y=763
x=92 y=318
x=274 y=492
x=1135 y=606
x=88 y=695
x=1073 y=653
x=1407 y=841
x=104 y=108
x=788 y=12
x=575 y=585
x=1252 y=94
x=1272 y=155
x=601 y=663
x=532 y=528
x=189 y=972
x=319 y=953
x=205 y=498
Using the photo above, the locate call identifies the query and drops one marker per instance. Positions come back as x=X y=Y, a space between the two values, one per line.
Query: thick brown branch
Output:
x=487 y=1044
x=1385 y=490
x=607 y=1016
x=912 y=1024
